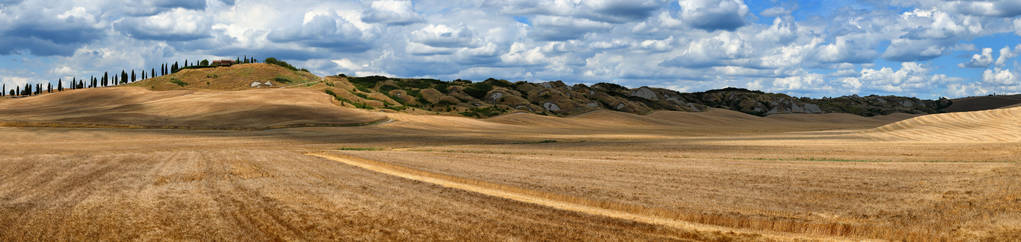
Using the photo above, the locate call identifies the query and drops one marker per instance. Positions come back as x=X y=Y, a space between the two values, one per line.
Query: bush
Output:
x=478 y=90
x=284 y=64
x=499 y=83
x=367 y=82
x=281 y=79
x=385 y=89
x=344 y=100
x=178 y=82
x=483 y=112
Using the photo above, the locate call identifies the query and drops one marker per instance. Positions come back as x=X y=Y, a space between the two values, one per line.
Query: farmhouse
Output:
x=223 y=62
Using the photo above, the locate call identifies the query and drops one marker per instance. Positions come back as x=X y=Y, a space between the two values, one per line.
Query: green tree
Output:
x=124 y=77
x=133 y=76
x=204 y=63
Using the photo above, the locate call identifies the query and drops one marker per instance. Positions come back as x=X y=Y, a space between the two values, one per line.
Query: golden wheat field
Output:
x=68 y=174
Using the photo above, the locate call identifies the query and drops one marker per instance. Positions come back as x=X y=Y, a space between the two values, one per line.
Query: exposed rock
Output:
x=645 y=92
x=552 y=107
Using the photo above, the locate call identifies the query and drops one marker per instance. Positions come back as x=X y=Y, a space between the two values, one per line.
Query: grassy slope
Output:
x=237 y=77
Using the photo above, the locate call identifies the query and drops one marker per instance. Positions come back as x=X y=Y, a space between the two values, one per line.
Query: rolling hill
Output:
x=135 y=107
x=978 y=103
x=996 y=125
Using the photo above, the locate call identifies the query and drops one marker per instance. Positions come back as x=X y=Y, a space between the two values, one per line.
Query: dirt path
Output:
x=516 y=195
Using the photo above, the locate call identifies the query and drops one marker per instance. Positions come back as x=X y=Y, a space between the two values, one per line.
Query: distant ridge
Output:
x=494 y=97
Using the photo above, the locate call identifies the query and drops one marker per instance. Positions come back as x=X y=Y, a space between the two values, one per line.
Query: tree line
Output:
x=107 y=79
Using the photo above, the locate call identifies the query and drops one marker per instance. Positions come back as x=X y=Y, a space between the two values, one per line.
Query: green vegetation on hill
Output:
x=493 y=97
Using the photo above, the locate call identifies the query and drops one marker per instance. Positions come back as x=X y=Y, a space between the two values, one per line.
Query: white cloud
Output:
x=775 y=11
x=1007 y=54
x=392 y=13
x=443 y=36
x=999 y=77
x=176 y=24
x=911 y=77
x=687 y=44
x=982 y=60
x=714 y=14
x=559 y=28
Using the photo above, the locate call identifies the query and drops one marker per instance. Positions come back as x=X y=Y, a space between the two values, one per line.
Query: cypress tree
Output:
x=73 y=82
x=49 y=87
x=3 y=90
x=106 y=79
x=132 y=75
x=95 y=82
x=17 y=91
x=124 y=77
x=185 y=62
x=153 y=74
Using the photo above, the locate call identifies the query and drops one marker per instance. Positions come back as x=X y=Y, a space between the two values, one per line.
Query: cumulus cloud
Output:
x=910 y=77
x=392 y=13
x=184 y=4
x=684 y=44
x=850 y=49
x=775 y=11
x=443 y=36
x=1006 y=54
x=325 y=30
x=714 y=14
x=997 y=8
x=982 y=60
x=39 y=29
x=556 y=28
x=720 y=50
x=999 y=77
x=914 y=50
x=178 y=25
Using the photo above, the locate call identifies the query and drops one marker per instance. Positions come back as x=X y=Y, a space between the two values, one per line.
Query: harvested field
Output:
x=717 y=175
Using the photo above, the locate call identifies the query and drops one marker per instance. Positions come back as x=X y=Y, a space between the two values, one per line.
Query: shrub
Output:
x=178 y=82
x=284 y=64
x=367 y=82
x=478 y=90
x=344 y=100
x=385 y=89
x=282 y=79
x=499 y=83
x=483 y=112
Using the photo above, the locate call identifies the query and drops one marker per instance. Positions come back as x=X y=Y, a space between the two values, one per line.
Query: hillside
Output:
x=188 y=109
x=494 y=97
x=977 y=103
x=996 y=125
x=236 y=77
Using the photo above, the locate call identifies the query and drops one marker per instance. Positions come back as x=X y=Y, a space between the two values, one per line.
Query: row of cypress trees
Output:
x=106 y=80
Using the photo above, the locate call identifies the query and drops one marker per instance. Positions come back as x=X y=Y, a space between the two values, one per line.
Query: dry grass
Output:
x=989 y=126
x=810 y=175
x=132 y=107
x=236 y=77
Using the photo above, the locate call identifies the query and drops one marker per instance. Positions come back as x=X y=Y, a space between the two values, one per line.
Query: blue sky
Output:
x=924 y=48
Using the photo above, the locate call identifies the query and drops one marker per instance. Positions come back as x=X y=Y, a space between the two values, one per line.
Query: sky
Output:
x=815 y=48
